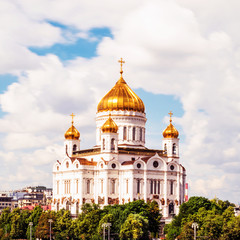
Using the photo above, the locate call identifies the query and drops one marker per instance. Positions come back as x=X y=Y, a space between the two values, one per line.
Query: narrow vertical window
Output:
x=113 y=186
x=112 y=144
x=138 y=186
x=133 y=133
x=103 y=144
x=65 y=189
x=171 y=187
x=158 y=187
x=174 y=148
x=74 y=147
x=155 y=186
x=140 y=134
x=77 y=208
x=165 y=148
x=57 y=187
x=77 y=186
x=151 y=187
x=88 y=186
x=101 y=186
x=124 y=133
x=127 y=186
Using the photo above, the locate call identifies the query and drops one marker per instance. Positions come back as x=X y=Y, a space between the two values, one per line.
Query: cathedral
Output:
x=120 y=168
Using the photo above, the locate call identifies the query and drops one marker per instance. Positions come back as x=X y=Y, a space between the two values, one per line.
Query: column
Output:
x=165 y=213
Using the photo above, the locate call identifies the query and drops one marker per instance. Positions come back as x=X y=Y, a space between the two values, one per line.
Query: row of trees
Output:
x=215 y=219
x=133 y=220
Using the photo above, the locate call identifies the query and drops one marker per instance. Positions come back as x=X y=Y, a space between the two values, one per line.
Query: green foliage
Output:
x=145 y=218
x=215 y=219
x=135 y=227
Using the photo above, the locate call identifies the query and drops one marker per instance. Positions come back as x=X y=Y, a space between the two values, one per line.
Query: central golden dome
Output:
x=121 y=97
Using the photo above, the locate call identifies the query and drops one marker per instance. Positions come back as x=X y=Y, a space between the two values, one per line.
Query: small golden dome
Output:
x=170 y=131
x=72 y=133
x=121 y=97
x=109 y=126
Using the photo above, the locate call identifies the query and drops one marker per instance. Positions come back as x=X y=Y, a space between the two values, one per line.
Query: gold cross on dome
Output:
x=121 y=63
x=170 y=114
x=72 y=115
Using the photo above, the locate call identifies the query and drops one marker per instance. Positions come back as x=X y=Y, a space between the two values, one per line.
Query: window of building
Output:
x=57 y=187
x=155 y=186
x=171 y=188
x=133 y=133
x=127 y=186
x=101 y=185
x=112 y=144
x=88 y=186
x=77 y=208
x=74 y=147
x=138 y=186
x=174 y=150
x=124 y=133
x=113 y=186
x=151 y=187
x=158 y=187
x=165 y=148
x=77 y=186
x=140 y=134
x=103 y=144
x=171 y=208
x=67 y=164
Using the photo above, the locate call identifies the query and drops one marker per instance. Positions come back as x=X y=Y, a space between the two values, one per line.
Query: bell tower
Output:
x=72 y=141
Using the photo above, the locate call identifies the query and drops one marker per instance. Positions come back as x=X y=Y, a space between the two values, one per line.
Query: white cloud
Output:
x=180 y=48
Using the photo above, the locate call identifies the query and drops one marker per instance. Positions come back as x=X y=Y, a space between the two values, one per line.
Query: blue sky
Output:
x=180 y=56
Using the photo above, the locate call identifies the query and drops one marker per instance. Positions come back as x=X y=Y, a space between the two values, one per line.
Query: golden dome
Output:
x=109 y=126
x=121 y=97
x=72 y=133
x=170 y=131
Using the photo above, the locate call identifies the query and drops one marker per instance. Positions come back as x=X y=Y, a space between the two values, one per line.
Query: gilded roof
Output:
x=121 y=97
x=72 y=133
x=109 y=126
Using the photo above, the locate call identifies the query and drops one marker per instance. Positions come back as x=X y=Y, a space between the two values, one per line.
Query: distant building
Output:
x=120 y=168
x=27 y=198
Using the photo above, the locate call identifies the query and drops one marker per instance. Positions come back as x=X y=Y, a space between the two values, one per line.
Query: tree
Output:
x=43 y=227
x=135 y=227
x=63 y=226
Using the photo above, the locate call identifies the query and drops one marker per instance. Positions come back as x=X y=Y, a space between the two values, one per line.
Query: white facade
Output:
x=119 y=169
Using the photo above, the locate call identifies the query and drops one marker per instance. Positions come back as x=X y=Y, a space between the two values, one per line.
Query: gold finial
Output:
x=121 y=63
x=72 y=115
x=170 y=114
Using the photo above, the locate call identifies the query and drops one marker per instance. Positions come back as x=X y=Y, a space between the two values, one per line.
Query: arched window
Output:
x=88 y=186
x=112 y=144
x=165 y=148
x=127 y=186
x=103 y=144
x=124 y=133
x=174 y=150
x=74 y=147
x=67 y=164
x=140 y=134
x=77 y=186
x=133 y=133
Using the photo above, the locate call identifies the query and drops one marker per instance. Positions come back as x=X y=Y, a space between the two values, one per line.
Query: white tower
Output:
x=72 y=142
x=127 y=111
x=171 y=140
